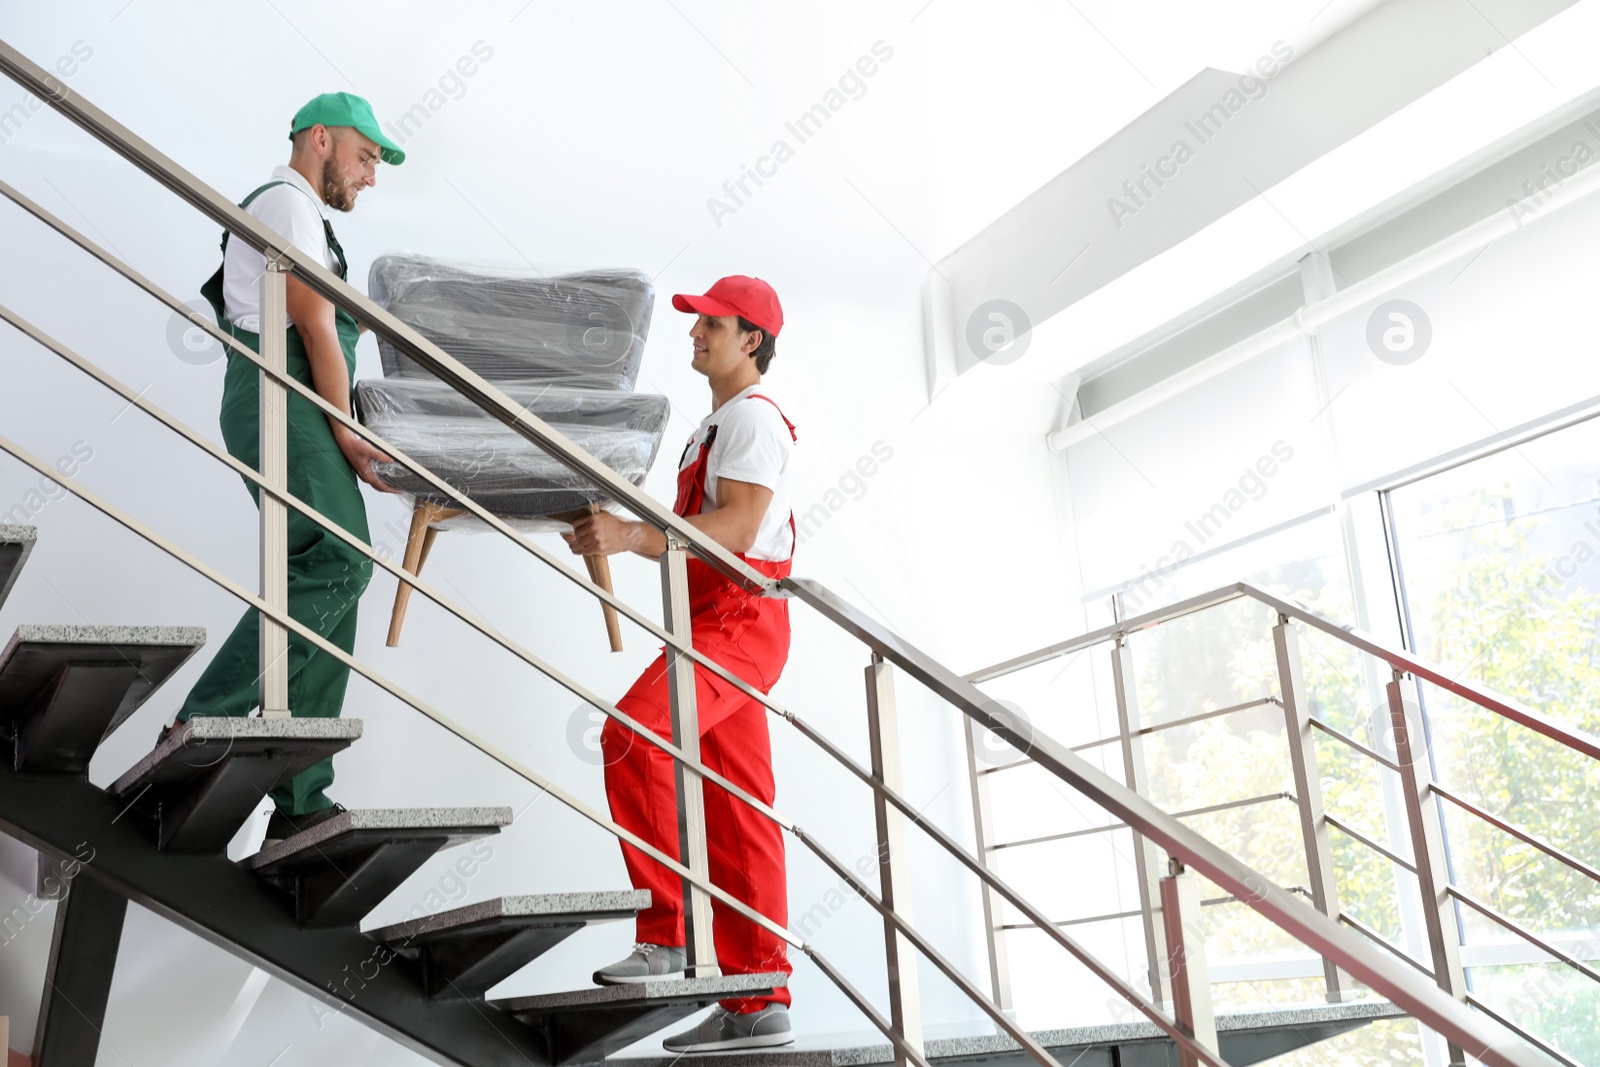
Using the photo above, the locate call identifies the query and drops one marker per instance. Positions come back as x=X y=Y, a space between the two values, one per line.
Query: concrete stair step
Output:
x=64 y=689
x=16 y=542
x=339 y=870
x=200 y=784
x=465 y=951
x=587 y=1025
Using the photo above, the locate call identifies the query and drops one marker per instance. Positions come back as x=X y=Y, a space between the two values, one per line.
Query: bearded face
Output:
x=339 y=186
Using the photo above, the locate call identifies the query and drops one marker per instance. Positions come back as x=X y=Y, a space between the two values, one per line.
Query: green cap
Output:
x=346 y=109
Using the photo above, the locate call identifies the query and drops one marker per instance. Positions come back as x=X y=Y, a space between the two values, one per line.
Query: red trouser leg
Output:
x=748 y=858
x=745 y=849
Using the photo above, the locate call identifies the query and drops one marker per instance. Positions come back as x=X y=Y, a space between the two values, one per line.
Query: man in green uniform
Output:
x=337 y=148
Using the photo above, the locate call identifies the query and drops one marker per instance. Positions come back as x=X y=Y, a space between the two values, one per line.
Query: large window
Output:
x=1498 y=562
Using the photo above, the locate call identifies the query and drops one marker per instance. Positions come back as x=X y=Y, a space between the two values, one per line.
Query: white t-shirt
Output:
x=296 y=212
x=752 y=445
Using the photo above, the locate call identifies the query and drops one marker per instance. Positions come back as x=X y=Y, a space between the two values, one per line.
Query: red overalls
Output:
x=749 y=636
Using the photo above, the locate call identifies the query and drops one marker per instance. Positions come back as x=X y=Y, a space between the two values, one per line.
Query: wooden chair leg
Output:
x=419 y=541
x=600 y=574
x=599 y=568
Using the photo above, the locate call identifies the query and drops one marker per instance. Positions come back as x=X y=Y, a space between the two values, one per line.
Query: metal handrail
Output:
x=1351 y=952
x=1398 y=658
x=1348 y=950
x=1401 y=662
x=1427 y=670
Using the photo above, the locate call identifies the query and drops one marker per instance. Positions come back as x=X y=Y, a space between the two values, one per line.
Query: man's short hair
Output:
x=766 y=350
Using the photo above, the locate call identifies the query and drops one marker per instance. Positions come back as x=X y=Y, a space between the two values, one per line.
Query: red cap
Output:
x=749 y=298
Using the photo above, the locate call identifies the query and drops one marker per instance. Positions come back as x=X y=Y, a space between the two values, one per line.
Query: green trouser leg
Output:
x=326 y=576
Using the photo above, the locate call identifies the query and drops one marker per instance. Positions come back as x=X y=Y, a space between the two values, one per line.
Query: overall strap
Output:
x=246 y=203
x=794 y=537
x=212 y=289
x=759 y=396
x=327 y=228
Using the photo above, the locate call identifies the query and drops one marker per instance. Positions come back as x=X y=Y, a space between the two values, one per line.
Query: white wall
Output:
x=593 y=136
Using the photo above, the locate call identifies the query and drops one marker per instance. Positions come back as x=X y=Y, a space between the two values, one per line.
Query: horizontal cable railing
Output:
x=1378 y=939
x=1351 y=953
x=1146 y=731
x=1208 y=809
x=1361 y=838
x=1352 y=743
x=1401 y=662
x=1278 y=905
x=1521 y=835
x=1398 y=658
x=1533 y=939
x=1542 y=1046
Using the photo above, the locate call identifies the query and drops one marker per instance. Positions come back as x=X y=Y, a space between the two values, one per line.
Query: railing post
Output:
x=1186 y=960
x=274 y=449
x=894 y=873
x=1307 y=785
x=983 y=833
x=692 y=854
x=1427 y=843
x=1146 y=857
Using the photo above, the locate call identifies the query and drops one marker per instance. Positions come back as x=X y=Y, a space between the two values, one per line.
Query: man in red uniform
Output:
x=734 y=485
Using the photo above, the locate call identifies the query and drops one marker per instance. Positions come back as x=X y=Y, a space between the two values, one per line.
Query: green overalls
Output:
x=326 y=576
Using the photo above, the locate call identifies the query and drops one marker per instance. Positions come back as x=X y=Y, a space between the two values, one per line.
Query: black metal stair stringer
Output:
x=77 y=980
x=239 y=913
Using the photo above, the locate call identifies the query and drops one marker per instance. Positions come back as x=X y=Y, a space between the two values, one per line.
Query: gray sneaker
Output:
x=646 y=962
x=723 y=1030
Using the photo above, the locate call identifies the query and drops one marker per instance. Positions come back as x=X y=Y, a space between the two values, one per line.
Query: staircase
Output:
x=157 y=837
